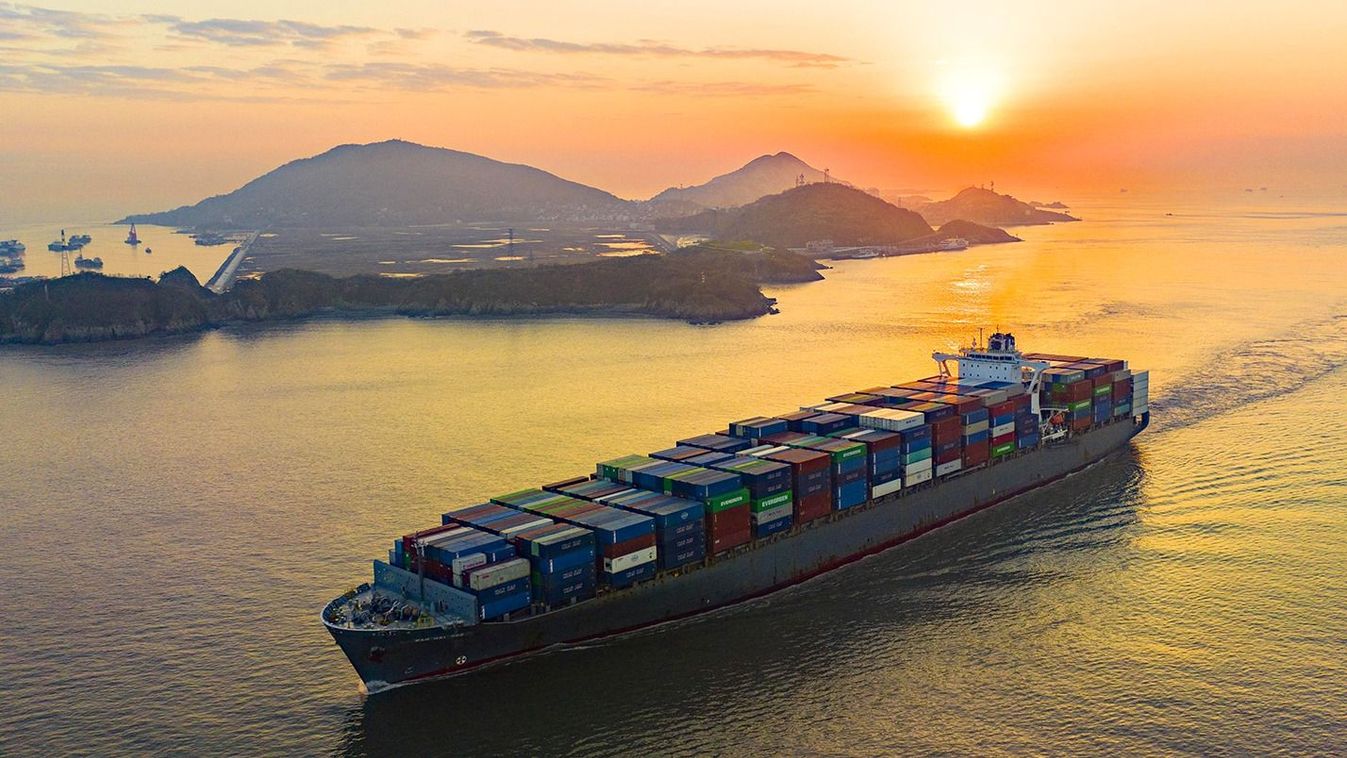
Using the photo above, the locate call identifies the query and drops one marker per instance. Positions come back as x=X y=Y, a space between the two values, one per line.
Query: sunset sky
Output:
x=109 y=108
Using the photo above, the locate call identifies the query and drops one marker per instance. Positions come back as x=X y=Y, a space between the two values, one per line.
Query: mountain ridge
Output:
x=767 y=174
x=845 y=215
x=394 y=182
x=987 y=207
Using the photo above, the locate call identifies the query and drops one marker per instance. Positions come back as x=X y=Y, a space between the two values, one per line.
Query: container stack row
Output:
x=561 y=557
x=625 y=541
x=680 y=532
x=725 y=499
x=480 y=562
x=1090 y=391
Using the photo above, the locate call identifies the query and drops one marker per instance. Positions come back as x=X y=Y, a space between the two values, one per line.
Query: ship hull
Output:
x=388 y=658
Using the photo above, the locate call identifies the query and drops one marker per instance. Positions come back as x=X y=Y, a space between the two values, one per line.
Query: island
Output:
x=702 y=284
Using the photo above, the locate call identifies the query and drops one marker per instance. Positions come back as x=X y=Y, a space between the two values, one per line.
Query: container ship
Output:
x=721 y=518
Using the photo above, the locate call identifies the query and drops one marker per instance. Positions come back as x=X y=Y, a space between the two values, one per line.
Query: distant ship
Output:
x=954 y=243
x=12 y=247
x=207 y=239
x=82 y=262
x=132 y=238
x=10 y=261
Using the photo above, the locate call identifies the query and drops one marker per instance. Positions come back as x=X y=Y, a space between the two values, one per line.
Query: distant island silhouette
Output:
x=699 y=285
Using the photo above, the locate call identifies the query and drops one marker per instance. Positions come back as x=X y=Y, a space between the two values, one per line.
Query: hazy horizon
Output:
x=142 y=107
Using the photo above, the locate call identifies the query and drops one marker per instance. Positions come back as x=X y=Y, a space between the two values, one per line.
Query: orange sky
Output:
x=108 y=108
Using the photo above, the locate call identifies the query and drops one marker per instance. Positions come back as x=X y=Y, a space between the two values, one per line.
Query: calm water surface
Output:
x=168 y=250
x=176 y=511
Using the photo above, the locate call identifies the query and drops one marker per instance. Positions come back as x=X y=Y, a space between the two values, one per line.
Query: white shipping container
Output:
x=1141 y=377
x=540 y=521
x=461 y=565
x=772 y=514
x=946 y=469
x=891 y=419
x=887 y=488
x=1119 y=376
x=630 y=560
x=980 y=426
x=924 y=464
x=994 y=397
x=997 y=431
x=1137 y=410
x=917 y=478
x=497 y=574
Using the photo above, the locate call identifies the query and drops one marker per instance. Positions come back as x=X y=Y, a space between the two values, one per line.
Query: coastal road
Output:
x=225 y=276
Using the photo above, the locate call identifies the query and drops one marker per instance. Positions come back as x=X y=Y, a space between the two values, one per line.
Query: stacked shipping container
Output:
x=761 y=477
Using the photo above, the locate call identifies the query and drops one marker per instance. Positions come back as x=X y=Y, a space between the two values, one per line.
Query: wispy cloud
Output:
x=236 y=32
x=166 y=56
x=32 y=22
x=417 y=76
x=653 y=48
x=723 y=89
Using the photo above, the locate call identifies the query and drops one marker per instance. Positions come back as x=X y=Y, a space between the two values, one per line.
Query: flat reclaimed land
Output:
x=441 y=249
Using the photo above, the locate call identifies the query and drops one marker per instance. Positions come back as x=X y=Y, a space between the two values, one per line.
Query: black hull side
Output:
x=387 y=658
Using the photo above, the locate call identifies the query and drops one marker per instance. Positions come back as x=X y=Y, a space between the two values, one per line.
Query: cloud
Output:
x=35 y=22
x=235 y=32
x=421 y=76
x=723 y=89
x=652 y=48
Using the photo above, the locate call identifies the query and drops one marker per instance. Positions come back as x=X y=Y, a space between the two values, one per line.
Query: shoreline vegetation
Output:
x=701 y=285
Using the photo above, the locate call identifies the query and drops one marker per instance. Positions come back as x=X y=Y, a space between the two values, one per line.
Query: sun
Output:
x=969 y=96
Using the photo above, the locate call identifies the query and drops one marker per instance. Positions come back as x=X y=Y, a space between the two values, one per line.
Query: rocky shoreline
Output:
x=699 y=286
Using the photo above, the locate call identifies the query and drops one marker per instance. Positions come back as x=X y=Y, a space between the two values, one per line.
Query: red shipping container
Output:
x=722 y=541
x=1003 y=439
x=1081 y=390
x=630 y=546
x=409 y=540
x=946 y=430
x=730 y=519
x=1021 y=402
x=814 y=506
x=1122 y=390
x=1001 y=409
x=1081 y=424
x=976 y=453
x=949 y=455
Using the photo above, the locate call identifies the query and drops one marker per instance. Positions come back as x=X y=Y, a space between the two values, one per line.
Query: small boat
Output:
x=10 y=265
x=82 y=262
x=80 y=239
x=12 y=247
x=133 y=238
x=148 y=251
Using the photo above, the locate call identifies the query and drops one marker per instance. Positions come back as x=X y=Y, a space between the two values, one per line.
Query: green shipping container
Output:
x=917 y=457
x=1081 y=405
x=1103 y=389
x=773 y=501
x=1003 y=449
x=726 y=501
